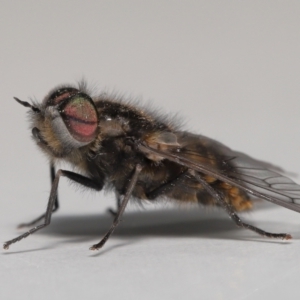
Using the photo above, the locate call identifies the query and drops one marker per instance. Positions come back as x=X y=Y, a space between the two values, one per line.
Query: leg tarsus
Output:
x=56 y=203
x=48 y=213
x=234 y=217
x=24 y=235
x=35 y=221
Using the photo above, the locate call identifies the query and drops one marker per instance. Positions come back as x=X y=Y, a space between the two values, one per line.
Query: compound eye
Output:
x=81 y=118
x=60 y=95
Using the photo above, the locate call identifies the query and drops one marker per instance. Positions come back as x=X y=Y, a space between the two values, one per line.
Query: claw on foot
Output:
x=287 y=237
x=94 y=247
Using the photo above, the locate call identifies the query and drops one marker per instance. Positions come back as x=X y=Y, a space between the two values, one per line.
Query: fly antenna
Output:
x=26 y=104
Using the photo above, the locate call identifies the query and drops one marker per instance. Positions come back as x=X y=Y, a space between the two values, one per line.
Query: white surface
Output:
x=232 y=70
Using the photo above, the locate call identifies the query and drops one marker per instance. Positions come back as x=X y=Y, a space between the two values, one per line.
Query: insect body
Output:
x=140 y=155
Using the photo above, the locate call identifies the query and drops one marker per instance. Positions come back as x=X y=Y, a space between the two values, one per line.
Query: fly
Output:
x=140 y=155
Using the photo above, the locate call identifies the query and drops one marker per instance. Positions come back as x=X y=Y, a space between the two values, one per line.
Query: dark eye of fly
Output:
x=80 y=116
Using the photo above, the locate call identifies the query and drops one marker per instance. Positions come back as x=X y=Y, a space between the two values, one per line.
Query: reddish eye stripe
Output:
x=80 y=116
x=61 y=95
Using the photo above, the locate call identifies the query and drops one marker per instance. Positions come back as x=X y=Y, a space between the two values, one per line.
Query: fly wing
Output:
x=209 y=157
x=264 y=177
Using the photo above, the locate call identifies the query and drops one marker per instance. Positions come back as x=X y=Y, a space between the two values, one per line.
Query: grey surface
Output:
x=230 y=68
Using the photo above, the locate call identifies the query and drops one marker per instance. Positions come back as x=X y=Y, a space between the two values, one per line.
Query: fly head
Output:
x=66 y=120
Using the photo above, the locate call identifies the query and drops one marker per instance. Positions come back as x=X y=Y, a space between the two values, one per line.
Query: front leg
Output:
x=56 y=203
x=88 y=182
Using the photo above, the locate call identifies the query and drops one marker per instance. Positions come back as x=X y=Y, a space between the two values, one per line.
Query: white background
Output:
x=232 y=71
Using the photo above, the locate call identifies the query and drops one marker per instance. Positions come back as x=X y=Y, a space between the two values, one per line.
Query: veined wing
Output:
x=257 y=178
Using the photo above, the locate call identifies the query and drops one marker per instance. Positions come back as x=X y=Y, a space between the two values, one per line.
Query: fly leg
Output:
x=112 y=211
x=166 y=187
x=159 y=191
x=55 y=208
x=234 y=217
x=121 y=209
x=88 y=182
